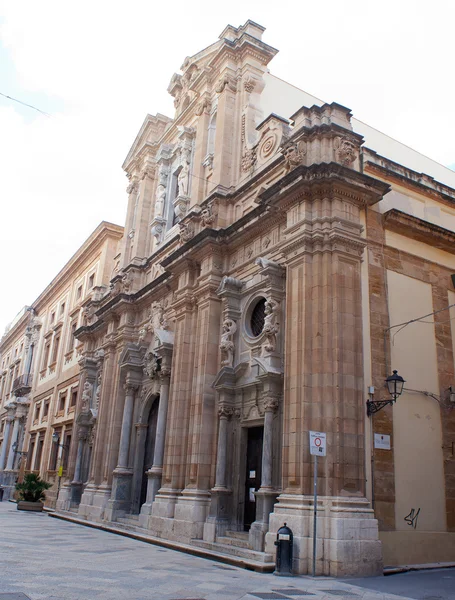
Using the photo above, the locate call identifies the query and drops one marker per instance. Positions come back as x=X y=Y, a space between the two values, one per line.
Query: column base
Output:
x=161 y=519
x=190 y=514
x=8 y=482
x=94 y=502
x=153 y=487
x=63 y=501
x=218 y=521
x=347 y=535
x=120 y=501
x=265 y=500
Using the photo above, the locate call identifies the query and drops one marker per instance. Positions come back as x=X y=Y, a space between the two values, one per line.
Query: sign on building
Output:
x=318 y=445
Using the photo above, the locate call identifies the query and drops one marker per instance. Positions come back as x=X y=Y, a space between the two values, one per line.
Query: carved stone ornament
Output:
x=151 y=365
x=186 y=232
x=89 y=313
x=249 y=83
x=271 y=327
x=227 y=346
x=228 y=81
x=248 y=159
x=133 y=186
x=158 y=228
x=345 y=151
x=207 y=216
x=127 y=281
x=87 y=393
x=157 y=320
x=225 y=412
x=270 y=404
x=203 y=106
x=294 y=153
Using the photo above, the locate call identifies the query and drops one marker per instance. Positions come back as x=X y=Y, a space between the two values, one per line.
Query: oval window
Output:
x=258 y=318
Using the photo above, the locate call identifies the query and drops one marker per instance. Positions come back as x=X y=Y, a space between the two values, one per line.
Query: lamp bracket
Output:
x=374 y=406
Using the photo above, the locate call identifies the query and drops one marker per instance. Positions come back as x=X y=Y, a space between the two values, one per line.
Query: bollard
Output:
x=284 y=543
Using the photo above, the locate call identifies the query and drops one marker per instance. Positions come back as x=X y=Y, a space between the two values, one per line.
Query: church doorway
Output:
x=253 y=473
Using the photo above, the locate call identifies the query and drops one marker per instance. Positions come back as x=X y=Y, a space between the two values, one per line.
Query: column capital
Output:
x=130 y=388
x=225 y=411
x=271 y=404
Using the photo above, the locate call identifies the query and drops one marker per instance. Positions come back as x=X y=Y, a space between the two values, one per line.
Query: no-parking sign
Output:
x=318 y=444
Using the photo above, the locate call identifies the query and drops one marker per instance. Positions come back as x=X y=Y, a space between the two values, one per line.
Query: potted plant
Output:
x=31 y=492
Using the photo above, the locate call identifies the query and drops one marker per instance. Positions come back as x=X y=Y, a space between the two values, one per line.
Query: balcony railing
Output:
x=22 y=384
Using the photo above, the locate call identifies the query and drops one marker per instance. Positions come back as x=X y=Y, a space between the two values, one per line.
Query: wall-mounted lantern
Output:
x=395 y=385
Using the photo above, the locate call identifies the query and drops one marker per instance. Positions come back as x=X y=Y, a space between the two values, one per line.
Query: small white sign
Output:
x=382 y=441
x=318 y=443
x=252 y=474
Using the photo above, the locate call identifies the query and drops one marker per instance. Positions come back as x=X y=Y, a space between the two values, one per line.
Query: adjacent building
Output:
x=40 y=370
x=279 y=260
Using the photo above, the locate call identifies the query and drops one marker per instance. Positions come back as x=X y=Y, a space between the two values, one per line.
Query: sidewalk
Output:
x=50 y=559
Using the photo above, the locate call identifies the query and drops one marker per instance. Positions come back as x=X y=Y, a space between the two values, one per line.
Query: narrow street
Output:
x=48 y=559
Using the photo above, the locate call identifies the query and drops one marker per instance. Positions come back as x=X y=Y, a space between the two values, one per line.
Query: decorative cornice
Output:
x=420 y=230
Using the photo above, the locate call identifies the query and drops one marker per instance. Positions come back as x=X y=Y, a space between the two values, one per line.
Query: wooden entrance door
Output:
x=253 y=473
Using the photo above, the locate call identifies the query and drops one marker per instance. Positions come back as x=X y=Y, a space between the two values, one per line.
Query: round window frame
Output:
x=248 y=333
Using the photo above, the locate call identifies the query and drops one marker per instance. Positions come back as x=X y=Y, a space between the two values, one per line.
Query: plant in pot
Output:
x=31 y=492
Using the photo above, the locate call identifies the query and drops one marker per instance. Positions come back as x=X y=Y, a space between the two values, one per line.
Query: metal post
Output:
x=315 y=511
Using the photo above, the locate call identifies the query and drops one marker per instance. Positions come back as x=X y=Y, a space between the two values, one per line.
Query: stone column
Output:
x=127 y=422
x=14 y=438
x=270 y=406
x=120 y=501
x=5 y=442
x=224 y=412
x=265 y=496
x=220 y=502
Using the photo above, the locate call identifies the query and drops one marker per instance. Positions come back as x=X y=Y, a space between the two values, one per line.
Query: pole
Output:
x=315 y=511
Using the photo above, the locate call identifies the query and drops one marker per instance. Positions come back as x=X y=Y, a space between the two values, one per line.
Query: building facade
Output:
x=279 y=260
x=41 y=370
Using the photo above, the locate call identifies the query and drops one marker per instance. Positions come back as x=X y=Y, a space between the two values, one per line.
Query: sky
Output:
x=98 y=67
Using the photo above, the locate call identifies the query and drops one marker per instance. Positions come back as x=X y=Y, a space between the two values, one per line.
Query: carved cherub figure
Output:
x=270 y=328
x=227 y=346
x=86 y=396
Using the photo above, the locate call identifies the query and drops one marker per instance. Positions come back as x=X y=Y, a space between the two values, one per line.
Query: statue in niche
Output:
x=270 y=328
x=227 y=346
x=86 y=396
x=151 y=364
x=98 y=390
x=184 y=179
x=159 y=200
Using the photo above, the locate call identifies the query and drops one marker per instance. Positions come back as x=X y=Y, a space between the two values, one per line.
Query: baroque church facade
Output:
x=272 y=244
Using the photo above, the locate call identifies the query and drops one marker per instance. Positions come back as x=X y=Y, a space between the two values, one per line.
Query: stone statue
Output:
x=86 y=396
x=160 y=197
x=98 y=391
x=151 y=365
x=270 y=328
x=227 y=346
x=184 y=179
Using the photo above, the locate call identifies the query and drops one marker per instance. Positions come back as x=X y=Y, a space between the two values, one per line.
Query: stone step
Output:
x=240 y=535
x=129 y=520
x=250 y=555
x=233 y=541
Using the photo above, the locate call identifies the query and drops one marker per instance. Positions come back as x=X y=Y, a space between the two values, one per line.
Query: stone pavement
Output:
x=49 y=559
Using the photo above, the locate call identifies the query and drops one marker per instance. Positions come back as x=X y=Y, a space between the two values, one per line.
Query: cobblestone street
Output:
x=48 y=559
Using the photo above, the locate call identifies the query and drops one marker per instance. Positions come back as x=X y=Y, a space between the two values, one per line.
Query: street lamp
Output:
x=395 y=385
